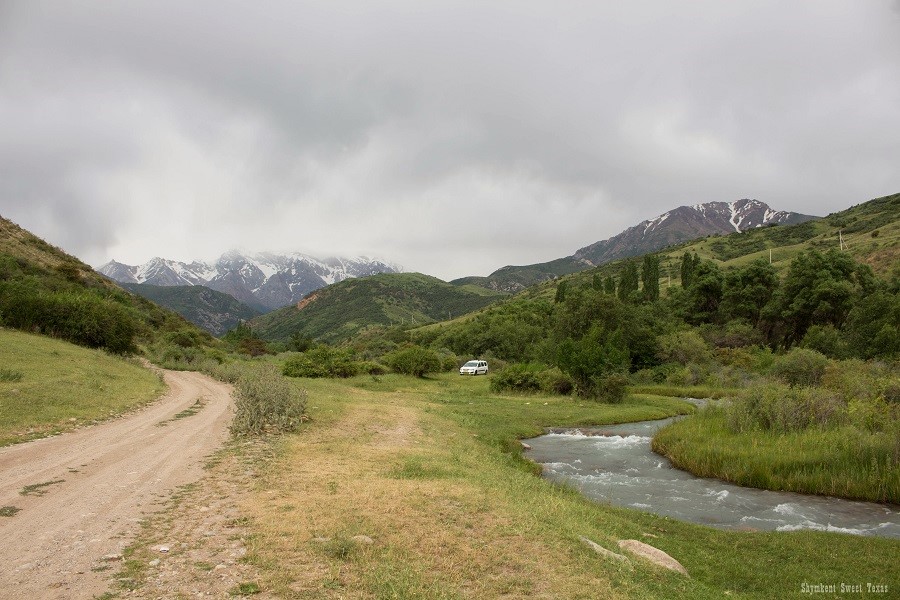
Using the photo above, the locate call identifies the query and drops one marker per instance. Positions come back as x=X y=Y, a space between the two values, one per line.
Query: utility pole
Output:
x=841 y=238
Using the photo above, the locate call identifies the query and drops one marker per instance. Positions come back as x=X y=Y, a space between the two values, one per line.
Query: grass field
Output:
x=48 y=386
x=430 y=473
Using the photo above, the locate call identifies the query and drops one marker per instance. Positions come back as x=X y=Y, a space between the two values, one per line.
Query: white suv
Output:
x=474 y=367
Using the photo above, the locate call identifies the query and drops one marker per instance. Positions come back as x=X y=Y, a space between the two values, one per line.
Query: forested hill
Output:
x=216 y=312
x=341 y=310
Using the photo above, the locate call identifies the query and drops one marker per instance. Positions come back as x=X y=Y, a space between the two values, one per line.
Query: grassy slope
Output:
x=423 y=468
x=339 y=311
x=63 y=386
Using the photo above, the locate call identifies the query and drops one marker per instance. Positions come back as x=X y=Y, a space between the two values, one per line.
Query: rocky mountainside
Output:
x=263 y=281
x=682 y=224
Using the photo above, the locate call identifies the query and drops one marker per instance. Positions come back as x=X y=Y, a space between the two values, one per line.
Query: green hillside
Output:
x=48 y=385
x=339 y=311
x=44 y=290
x=211 y=310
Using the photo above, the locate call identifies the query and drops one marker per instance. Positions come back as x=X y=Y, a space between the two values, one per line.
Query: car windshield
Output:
x=471 y=363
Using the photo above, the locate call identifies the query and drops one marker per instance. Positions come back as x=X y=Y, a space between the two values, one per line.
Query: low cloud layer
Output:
x=452 y=138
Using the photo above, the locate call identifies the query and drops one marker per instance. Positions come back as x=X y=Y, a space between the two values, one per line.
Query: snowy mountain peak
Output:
x=263 y=280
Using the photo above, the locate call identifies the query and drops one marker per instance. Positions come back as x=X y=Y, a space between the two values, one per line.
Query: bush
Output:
x=683 y=347
x=554 y=381
x=414 y=360
x=781 y=408
x=611 y=388
x=518 y=377
x=322 y=361
x=371 y=368
x=826 y=340
x=800 y=367
x=266 y=403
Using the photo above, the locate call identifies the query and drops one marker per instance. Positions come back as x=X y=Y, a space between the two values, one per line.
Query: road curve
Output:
x=98 y=483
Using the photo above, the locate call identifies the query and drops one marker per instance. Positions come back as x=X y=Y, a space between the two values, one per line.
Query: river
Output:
x=614 y=464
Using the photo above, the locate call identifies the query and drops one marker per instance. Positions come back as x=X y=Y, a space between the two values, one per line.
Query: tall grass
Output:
x=839 y=461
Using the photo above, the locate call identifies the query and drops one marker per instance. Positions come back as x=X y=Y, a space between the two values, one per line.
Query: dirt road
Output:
x=82 y=495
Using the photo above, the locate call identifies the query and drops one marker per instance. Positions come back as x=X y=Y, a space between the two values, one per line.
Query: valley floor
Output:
x=403 y=488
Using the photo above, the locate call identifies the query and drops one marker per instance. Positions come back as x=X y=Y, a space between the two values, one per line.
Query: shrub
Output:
x=266 y=403
x=371 y=368
x=518 y=377
x=227 y=372
x=611 y=388
x=414 y=360
x=322 y=361
x=683 y=347
x=800 y=367
x=554 y=381
x=826 y=340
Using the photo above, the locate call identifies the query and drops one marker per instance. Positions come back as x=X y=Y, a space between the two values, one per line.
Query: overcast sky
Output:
x=450 y=137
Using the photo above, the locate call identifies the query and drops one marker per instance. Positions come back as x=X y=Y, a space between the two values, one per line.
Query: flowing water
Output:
x=614 y=464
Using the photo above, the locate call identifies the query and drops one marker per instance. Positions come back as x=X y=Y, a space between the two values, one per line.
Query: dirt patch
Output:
x=197 y=546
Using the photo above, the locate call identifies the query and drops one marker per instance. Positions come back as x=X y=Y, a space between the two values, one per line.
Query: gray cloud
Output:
x=423 y=133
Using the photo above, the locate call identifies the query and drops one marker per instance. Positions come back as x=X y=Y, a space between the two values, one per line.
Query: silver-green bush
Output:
x=266 y=403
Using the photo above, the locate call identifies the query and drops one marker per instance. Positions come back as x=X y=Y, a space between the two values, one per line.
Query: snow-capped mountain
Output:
x=265 y=280
x=686 y=223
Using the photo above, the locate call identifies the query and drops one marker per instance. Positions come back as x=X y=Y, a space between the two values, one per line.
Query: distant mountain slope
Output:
x=216 y=312
x=870 y=232
x=676 y=226
x=45 y=290
x=341 y=310
x=263 y=281
x=687 y=223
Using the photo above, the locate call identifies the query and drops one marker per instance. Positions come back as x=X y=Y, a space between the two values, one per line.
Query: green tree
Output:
x=628 y=282
x=820 y=289
x=872 y=328
x=609 y=285
x=599 y=354
x=747 y=291
x=597 y=282
x=701 y=300
x=650 y=277
x=561 y=288
x=689 y=266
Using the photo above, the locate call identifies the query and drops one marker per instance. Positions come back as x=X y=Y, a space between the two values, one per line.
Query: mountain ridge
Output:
x=678 y=225
x=263 y=281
